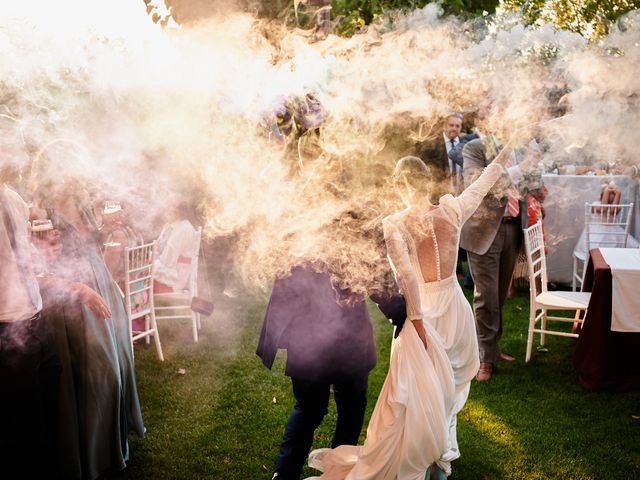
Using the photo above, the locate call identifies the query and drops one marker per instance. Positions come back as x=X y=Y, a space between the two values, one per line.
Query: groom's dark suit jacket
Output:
x=325 y=330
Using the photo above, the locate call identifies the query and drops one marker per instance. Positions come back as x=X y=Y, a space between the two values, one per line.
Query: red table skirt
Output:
x=605 y=359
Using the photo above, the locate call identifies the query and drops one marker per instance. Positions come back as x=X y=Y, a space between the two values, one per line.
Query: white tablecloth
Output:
x=606 y=236
x=625 y=278
x=564 y=219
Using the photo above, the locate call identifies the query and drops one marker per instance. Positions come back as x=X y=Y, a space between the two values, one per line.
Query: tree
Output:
x=590 y=18
x=352 y=15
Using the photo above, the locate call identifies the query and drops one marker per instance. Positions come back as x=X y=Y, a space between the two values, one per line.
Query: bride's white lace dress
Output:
x=414 y=421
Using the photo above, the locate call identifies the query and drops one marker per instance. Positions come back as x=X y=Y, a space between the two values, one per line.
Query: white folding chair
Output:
x=543 y=300
x=138 y=293
x=604 y=226
x=177 y=305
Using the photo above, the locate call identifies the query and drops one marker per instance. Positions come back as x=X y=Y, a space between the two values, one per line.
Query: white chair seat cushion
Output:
x=564 y=300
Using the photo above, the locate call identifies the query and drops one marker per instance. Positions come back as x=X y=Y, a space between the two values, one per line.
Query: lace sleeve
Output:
x=469 y=200
x=398 y=253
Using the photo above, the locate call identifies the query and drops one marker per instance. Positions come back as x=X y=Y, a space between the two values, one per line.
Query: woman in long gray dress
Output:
x=99 y=398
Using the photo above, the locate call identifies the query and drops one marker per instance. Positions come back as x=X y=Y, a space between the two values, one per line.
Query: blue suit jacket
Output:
x=326 y=331
x=455 y=153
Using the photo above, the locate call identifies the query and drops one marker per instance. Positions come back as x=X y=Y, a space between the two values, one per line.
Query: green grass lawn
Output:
x=224 y=417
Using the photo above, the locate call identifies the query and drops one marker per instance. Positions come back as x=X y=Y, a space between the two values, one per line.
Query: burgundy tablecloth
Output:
x=605 y=359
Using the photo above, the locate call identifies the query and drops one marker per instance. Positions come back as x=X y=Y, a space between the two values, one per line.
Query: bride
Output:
x=434 y=358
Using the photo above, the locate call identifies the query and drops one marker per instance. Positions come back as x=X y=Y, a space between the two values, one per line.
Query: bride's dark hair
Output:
x=412 y=171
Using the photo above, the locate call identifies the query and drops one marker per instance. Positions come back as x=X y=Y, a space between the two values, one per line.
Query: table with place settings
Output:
x=608 y=348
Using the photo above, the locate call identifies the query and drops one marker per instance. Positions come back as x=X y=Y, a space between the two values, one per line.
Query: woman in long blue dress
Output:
x=99 y=397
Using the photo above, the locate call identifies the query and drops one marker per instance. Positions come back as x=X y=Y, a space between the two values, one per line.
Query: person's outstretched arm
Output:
x=479 y=181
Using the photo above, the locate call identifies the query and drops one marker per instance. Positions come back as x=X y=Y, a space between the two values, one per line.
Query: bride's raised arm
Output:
x=470 y=198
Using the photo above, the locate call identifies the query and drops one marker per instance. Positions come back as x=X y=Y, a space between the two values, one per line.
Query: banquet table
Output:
x=564 y=220
x=605 y=359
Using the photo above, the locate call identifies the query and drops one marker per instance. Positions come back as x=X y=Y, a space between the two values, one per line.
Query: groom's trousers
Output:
x=312 y=400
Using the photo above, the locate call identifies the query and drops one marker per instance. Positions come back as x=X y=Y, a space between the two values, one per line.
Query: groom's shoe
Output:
x=485 y=371
x=505 y=357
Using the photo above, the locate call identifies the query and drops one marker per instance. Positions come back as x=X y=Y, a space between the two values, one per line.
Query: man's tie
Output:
x=453 y=170
x=513 y=199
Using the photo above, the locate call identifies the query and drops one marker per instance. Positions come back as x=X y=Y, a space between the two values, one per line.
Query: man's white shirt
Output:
x=453 y=167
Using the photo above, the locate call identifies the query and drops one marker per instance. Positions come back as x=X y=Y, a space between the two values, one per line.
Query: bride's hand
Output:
x=421 y=332
x=503 y=157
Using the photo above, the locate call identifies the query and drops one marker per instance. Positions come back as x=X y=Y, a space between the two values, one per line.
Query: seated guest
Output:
x=610 y=194
x=118 y=235
x=99 y=400
x=172 y=267
x=605 y=235
x=535 y=210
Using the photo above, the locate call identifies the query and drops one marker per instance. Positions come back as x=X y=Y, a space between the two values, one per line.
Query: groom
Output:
x=329 y=341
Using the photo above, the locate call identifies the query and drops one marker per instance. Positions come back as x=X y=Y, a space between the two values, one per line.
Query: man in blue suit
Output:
x=328 y=336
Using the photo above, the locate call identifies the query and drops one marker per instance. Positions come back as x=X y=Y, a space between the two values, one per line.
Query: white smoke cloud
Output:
x=150 y=115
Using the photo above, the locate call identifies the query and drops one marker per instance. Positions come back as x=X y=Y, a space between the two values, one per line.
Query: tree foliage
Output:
x=590 y=18
x=352 y=15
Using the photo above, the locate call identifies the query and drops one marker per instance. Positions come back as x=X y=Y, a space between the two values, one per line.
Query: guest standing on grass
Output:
x=99 y=398
x=29 y=365
x=492 y=238
x=327 y=333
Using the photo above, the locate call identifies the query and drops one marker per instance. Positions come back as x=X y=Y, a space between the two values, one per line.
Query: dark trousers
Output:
x=312 y=400
x=462 y=257
x=29 y=379
x=459 y=261
x=468 y=278
x=492 y=274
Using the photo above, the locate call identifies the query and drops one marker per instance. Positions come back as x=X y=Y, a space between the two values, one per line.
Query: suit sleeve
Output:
x=277 y=318
x=474 y=160
x=455 y=154
x=389 y=300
